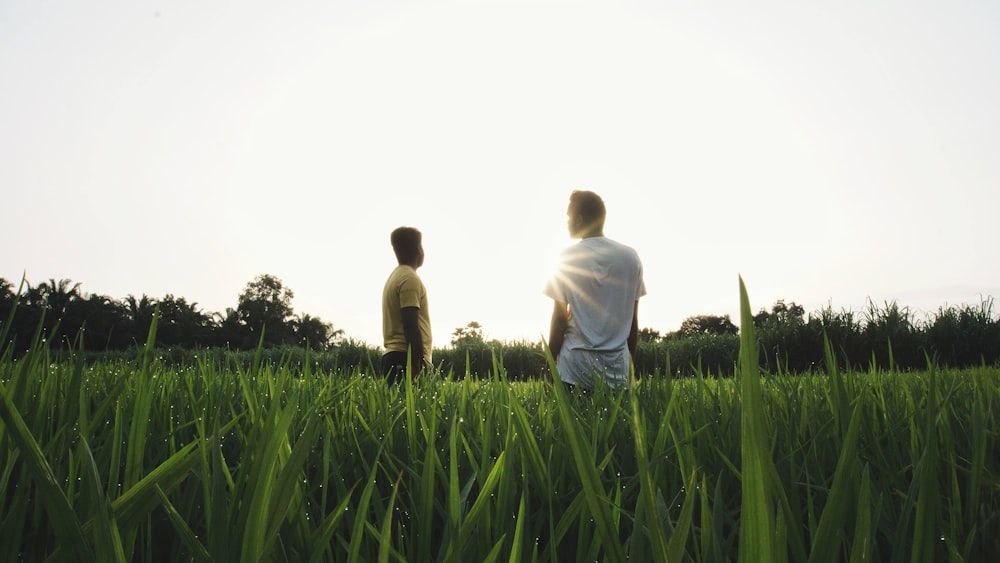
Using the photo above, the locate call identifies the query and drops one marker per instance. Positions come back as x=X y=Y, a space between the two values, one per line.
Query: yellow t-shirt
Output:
x=404 y=289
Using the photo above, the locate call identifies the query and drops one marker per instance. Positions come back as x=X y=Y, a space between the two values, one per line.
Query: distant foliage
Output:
x=887 y=336
x=64 y=317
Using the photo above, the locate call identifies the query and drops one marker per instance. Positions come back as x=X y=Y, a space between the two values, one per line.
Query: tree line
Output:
x=881 y=337
x=789 y=339
x=66 y=316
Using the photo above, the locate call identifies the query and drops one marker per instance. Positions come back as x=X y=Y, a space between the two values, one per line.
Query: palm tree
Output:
x=139 y=313
x=58 y=295
x=313 y=332
x=181 y=323
x=103 y=320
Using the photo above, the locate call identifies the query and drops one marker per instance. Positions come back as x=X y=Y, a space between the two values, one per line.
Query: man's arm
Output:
x=557 y=327
x=633 y=333
x=411 y=330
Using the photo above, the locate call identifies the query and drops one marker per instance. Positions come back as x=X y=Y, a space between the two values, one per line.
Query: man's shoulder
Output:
x=403 y=270
x=620 y=246
x=405 y=275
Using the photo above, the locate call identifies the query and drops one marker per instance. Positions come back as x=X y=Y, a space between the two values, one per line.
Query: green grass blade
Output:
x=648 y=490
x=107 y=540
x=925 y=531
x=478 y=508
x=756 y=520
x=517 y=546
x=321 y=540
x=287 y=480
x=139 y=500
x=64 y=521
x=596 y=497
x=385 y=540
x=861 y=549
x=261 y=482
x=678 y=539
x=360 y=518
x=186 y=535
x=842 y=499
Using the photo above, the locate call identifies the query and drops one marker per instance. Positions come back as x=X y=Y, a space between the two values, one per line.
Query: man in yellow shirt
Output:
x=406 y=324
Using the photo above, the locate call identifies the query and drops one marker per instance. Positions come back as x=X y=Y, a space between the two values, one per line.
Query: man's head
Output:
x=407 y=244
x=586 y=214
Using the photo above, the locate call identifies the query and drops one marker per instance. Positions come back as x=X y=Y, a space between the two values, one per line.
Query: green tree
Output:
x=229 y=331
x=707 y=324
x=139 y=314
x=58 y=295
x=7 y=298
x=53 y=299
x=313 y=332
x=649 y=335
x=103 y=320
x=788 y=314
x=7 y=301
x=266 y=305
x=181 y=323
x=471 y=333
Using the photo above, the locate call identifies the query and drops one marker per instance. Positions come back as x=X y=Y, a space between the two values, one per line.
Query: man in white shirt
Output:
x=595 y=293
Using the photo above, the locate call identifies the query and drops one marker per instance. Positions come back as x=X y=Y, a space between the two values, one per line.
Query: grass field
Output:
x=135 y=461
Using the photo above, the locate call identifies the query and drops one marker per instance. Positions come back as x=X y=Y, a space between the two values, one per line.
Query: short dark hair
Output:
x=406 y=243
x=589 y=206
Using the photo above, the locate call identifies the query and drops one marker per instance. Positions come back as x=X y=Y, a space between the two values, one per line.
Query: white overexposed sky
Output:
x=828 y=152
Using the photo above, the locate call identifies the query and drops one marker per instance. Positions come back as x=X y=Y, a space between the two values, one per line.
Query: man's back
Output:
x=600 y=280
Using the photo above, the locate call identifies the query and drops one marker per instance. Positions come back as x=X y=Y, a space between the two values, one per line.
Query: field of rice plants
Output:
x=136 y=461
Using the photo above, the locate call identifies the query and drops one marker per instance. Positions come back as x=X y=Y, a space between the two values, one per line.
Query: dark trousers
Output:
x=393 y=366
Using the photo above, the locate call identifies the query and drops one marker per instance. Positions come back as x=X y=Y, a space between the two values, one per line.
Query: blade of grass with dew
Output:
x=454 y=506
x=186 y=535
x=360 y=518
x=385 y=532
x=139 y=500
x=107 y=540
x=647 y=489
x=569 y=517
x=425 y=508
x=517 y=545
x=596 y=497
x=479 y=506
x=64 y=521
x=321 y=539
x=529 y=448
x=287 y=481
x=678 y=540
x=270 y=453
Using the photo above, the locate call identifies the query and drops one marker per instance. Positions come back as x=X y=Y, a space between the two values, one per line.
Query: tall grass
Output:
x=137 y=460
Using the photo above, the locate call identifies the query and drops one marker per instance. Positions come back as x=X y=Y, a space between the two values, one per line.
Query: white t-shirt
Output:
x=600 y=280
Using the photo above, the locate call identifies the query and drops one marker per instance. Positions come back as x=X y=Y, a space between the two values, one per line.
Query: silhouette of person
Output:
x=406 y=325
x=595 y=292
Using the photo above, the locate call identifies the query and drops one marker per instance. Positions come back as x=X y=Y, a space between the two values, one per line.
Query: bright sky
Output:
x=829 y=153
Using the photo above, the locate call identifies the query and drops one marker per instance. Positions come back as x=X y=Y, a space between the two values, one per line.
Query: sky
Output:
x=833 y=154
